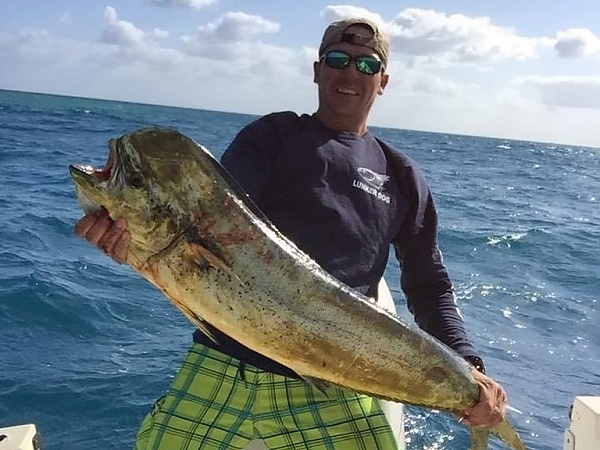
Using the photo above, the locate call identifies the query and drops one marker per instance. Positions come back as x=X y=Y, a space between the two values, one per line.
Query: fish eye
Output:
x=135 y=181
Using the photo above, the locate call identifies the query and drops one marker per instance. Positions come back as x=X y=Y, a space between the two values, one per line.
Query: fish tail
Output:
x=480 y=436
x=507 y=434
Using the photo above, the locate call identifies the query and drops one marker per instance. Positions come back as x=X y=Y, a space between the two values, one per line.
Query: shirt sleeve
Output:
x=424 y=278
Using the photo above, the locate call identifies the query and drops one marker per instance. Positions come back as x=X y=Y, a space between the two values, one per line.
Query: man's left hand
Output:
x=491 y=408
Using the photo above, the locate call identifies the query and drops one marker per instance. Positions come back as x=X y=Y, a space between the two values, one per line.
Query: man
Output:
x=342 y=196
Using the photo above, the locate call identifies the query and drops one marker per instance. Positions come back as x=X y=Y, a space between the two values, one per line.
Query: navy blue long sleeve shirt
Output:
x=344 y=199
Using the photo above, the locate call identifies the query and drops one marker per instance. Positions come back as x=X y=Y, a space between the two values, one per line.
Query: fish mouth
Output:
x=105 y=176
x=90 y=180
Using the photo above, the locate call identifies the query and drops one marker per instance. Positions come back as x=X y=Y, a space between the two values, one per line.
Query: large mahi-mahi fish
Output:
x=198 y=238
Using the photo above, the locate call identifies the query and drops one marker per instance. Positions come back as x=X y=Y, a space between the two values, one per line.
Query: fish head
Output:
x=153 y=180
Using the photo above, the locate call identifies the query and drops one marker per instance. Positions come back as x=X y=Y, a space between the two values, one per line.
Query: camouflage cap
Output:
x=336 y=33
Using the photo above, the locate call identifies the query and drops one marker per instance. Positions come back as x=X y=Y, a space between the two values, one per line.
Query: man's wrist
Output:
x=477 y=363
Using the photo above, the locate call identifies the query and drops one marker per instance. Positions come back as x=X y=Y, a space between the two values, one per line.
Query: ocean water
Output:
x=86 y=345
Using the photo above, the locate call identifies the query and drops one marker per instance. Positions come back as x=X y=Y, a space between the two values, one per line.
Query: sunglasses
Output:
x=367 y=64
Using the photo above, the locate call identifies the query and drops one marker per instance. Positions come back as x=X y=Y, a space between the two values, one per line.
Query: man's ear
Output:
x=385 y=78
x=316 y=70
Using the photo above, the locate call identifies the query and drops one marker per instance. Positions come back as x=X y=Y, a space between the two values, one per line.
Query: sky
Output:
x=526 y=69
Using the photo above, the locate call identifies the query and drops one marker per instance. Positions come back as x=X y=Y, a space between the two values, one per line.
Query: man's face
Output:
x=348 y=92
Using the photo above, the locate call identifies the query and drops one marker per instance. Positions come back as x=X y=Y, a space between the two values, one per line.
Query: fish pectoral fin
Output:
x=194 y=318
x=204 y=258
x=201 y=325
x=320 y=385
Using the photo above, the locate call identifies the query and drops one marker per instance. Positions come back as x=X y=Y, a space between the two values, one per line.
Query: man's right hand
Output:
x=110 y=236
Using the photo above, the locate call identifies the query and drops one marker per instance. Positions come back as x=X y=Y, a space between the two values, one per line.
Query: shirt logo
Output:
x=372 y=178
x=372 y=183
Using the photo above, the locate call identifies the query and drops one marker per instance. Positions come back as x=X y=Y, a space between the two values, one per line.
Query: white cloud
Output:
x=236 y=27
x=32 y=47
x=565 y=91
x=189 y=4
x=458 y=37
x=234 y=37
x=333 y=13
x=134 y=43
x=576 y=43
x=122 y=33
x=431 y=84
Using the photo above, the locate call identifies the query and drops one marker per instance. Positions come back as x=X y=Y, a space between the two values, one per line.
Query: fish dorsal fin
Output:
x=204 y=258
x=237 y=189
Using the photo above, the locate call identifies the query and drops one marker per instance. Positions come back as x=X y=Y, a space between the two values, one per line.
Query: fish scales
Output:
x=200 y=240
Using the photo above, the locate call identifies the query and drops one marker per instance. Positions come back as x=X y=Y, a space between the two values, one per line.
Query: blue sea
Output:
x=87 y=345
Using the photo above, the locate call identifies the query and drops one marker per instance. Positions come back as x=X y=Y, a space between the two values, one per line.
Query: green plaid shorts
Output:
x=209 y=406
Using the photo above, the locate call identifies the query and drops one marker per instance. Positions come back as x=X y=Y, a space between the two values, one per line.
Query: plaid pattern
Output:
x=209 y=406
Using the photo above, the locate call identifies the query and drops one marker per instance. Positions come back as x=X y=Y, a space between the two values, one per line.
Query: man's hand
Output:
x=491 y=408
x=110 y=236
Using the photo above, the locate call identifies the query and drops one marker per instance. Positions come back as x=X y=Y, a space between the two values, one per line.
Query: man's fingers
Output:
x=483 y=414
x=119 y=253
x=490 y=410
x=97 y=231
x=115 y=241
x=86 y=222
x=111 y=236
